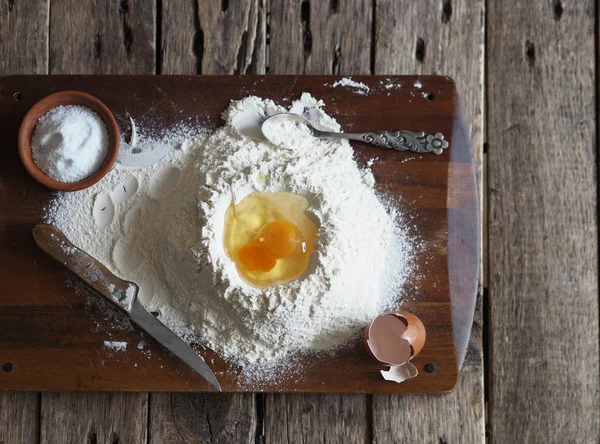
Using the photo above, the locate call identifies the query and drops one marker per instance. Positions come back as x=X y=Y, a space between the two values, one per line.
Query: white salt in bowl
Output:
x=67 y=98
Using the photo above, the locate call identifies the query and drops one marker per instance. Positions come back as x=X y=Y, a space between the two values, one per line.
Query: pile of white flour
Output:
x=162 y=228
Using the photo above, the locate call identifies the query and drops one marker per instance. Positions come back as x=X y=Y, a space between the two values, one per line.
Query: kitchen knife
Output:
x=121 y=293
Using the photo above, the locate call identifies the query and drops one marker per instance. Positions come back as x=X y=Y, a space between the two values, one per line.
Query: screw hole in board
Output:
x=430 y=367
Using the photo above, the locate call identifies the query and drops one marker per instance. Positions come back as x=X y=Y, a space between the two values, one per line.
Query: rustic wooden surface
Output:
x=316 y=418
x=100 y=37
x=543 y=222
x=93 y=417
x=562 y=36
x=202 y=417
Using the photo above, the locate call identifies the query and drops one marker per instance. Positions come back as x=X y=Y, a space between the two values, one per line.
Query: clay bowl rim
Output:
x=67 y=98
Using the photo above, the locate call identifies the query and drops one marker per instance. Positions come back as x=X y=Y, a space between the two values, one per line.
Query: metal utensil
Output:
x=121 y=293
x=417 y=142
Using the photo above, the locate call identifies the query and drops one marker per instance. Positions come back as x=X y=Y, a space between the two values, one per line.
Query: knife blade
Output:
x=120 y=292
x=172 y=342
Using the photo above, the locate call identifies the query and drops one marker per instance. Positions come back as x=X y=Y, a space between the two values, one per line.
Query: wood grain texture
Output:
x=93 y=417
x=19 y=417
x=311 y=37
x=102 y=37
x=201 y=37
x=447 y=38
x=182 y=40
x=23 y=50
x=202 y=418
x=206 y=38
x=24 y=37
x=543 y=223
x=294 y=419
x=234 y=37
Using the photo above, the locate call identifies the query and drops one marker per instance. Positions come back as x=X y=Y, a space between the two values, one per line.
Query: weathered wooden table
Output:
x=528 y=76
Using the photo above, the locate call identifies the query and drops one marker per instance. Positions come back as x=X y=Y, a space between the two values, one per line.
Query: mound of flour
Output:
x=162 y=228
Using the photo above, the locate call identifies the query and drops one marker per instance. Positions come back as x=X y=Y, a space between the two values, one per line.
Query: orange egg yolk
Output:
x=269 y=237
x=280 y=237
x=255 y=257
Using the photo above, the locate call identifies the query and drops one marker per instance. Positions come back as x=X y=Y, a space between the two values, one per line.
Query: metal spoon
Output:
x=418 y=142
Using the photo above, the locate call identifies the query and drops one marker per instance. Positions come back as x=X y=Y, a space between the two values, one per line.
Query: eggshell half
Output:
x=395 y=338
x=385 y=340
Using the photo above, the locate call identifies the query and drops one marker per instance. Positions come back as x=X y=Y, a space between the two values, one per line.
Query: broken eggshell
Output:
x=394 y=339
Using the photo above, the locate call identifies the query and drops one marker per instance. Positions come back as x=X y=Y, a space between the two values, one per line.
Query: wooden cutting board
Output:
x=52 y=330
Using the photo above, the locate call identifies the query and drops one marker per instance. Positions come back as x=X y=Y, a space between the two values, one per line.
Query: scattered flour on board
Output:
x=162 y=227
x=388 y=84
x=116 y=345
x=360 y=88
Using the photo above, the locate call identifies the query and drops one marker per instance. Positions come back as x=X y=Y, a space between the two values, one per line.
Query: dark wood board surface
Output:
x=45 y=324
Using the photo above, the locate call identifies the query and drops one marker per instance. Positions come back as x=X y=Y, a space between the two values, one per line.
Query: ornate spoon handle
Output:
x=417 y=142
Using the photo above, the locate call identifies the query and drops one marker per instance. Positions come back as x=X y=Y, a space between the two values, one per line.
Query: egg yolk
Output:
x=269 y=237
x=280 y=237
x=256 y=257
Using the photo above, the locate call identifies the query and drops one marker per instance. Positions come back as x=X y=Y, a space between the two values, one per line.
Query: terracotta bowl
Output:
x=67 y=98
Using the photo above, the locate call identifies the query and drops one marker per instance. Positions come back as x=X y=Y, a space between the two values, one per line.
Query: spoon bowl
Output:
x=276 y=119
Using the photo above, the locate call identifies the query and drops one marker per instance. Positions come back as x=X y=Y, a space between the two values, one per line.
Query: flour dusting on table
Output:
x=116 y=345
x=164 y=229
x=359 y=87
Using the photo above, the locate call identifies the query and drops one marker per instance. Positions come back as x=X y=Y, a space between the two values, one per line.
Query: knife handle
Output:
x=89 y=270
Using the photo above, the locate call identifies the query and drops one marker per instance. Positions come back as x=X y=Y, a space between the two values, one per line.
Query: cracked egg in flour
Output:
x=269 y=237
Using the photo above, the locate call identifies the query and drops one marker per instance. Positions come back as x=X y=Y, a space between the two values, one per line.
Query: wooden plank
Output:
x=205 y=417
x=201 y=37
x=234 y=37
x=24 y=37
x=447 y=38
x=94 y=36
x=93 y=417
x=100 y=37
x=316 y=418
x=23 y=50
x=19 y=417
x=543 y=222
x=311 y=38
x=198 y=37
x=182 y=40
